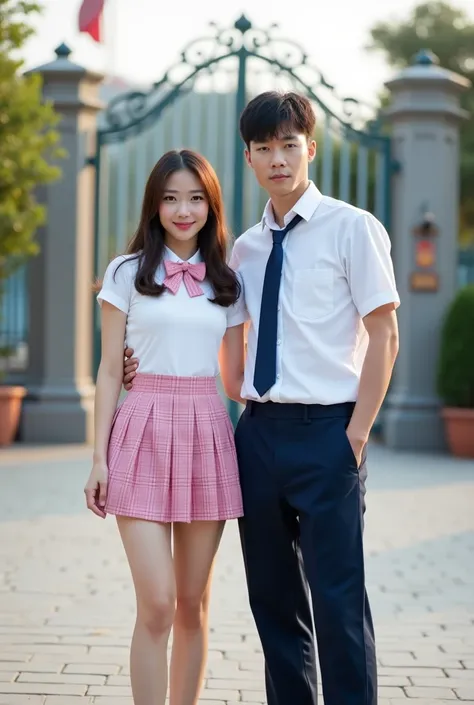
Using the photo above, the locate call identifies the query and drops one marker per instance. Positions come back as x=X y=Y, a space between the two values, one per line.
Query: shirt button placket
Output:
x=278 y=355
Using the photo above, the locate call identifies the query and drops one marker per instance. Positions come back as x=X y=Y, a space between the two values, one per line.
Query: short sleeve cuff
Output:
x=113 y=299
x=387 y=297
x=237 y=318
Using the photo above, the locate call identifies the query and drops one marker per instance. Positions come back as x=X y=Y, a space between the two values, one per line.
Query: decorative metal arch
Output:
x=133 y=111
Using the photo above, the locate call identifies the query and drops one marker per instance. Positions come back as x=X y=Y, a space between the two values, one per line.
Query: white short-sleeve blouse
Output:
x=173 y=334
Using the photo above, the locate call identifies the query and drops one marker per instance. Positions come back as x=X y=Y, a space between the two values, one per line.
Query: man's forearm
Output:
x=375 y=379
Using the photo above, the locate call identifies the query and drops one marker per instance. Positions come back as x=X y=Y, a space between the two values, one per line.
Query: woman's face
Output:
x=184 y=208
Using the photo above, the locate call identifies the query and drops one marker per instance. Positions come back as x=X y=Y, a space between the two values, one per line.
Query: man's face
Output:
x=281 y=163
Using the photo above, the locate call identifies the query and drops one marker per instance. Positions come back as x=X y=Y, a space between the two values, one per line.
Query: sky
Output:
x=144 y=37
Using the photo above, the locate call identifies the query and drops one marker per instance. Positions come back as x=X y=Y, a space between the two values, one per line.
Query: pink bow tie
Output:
x=191 y=273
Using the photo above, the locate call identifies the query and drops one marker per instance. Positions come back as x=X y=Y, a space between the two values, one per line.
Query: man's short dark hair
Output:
x=271 y=112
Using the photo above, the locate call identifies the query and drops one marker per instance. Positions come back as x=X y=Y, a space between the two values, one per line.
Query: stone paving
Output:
x=67 y=605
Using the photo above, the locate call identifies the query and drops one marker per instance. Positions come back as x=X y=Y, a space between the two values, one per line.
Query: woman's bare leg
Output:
x=148 y=548
x=195 y=547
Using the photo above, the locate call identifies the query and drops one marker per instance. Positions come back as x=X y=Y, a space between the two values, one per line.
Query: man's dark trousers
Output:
x=303 y=523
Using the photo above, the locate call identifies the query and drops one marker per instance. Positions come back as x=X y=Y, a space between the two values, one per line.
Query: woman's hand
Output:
x=96 y=489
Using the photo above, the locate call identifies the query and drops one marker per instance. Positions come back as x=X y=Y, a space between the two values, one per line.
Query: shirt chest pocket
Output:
x=313 y=293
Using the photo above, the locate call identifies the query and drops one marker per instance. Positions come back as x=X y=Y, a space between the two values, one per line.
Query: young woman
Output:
x=164 y=461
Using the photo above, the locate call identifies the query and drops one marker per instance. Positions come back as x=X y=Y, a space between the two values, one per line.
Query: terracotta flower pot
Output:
x=459 y=425
x=10 y=407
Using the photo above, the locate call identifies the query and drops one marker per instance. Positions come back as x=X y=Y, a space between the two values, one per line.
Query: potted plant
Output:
x=10 y=400
x=27 y=147
x=456 y=373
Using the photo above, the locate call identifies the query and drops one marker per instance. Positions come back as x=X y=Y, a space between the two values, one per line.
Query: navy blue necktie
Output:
x=265 y=362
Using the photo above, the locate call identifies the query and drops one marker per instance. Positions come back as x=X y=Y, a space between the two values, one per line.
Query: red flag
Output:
x=90 y=16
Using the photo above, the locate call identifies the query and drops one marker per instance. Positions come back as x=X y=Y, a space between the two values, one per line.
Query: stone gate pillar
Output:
x=59 y=405
x=425 y=117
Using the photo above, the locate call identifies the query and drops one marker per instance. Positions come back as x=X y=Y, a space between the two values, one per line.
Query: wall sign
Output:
x=424 y=276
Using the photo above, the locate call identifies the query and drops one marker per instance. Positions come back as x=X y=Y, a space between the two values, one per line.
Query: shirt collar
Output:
x=170 y=255
x=305 y=207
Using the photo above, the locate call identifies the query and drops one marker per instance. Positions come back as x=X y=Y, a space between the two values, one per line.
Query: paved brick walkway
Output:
x=67 y=607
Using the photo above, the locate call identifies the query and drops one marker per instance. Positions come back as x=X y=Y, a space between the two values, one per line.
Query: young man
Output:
x=321 y=296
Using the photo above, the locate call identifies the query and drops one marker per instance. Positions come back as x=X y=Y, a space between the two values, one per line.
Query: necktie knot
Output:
x=278 y=236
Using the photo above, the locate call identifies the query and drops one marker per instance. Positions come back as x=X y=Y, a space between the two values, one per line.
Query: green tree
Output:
x=449 y=33
x=28 y=141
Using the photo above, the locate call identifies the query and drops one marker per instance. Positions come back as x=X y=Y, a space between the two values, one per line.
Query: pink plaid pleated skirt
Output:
x=171 y=453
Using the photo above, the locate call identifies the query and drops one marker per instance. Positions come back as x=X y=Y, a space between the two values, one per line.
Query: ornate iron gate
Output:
x=197 y=104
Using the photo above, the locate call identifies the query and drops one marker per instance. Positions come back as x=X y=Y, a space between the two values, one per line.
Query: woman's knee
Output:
x=157 y=614
x=191 y=610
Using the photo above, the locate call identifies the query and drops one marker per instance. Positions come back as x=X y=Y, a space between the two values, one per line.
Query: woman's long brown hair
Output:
x=148 y=243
